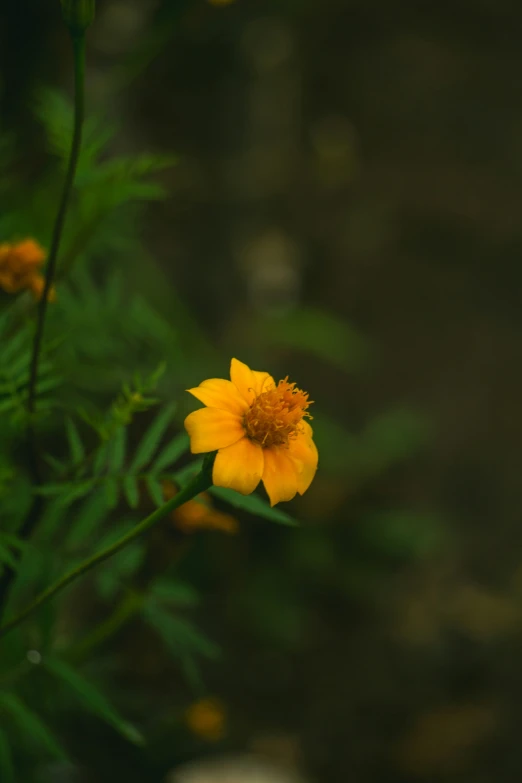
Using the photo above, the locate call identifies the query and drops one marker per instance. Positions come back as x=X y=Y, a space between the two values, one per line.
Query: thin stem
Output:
x=128 y=608
x=35 y=511
x=199 y=484
x=78 y=41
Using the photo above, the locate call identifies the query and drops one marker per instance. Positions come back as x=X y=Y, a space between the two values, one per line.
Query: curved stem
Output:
x=33 y=516
x=199 y=484
x=78 y=41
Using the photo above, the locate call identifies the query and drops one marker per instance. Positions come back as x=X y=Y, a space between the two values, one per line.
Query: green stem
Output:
x=78 y=42
x=199 y=484
x=33 y=516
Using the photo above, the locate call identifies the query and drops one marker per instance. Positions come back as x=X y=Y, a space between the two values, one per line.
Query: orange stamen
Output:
x=275 y=415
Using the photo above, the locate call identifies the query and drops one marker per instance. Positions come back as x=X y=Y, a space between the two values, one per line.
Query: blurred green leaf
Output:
x=180 y=637
x=183 y=476
x=254 y=505
x=155 y=491
x=169 y=591
x=31 y=725
x=92 y=698
x=100 y=460
x=83 y=523
x=76 y=492
x=130 y=490
x=171 y=453
x=121 y=567
x=112 y=491
x=76 y=448
x=152 y=438
x=117 y=450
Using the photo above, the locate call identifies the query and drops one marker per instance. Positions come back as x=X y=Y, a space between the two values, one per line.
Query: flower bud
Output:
x=78 y=14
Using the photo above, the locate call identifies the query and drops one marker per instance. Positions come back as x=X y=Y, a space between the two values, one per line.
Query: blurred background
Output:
x=346 y=209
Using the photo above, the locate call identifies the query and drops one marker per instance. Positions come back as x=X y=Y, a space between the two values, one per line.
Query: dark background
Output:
x=346 y=208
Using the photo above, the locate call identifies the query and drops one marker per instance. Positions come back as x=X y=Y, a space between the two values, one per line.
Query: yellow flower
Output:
x=198 y=514
x=259 y=431
x=207 y=719
x=19 y=268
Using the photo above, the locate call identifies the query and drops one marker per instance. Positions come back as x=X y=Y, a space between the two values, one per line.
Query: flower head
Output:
x=20 y=268
x=259 y=431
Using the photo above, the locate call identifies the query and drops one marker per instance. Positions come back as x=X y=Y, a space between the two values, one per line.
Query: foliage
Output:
x=110 y=439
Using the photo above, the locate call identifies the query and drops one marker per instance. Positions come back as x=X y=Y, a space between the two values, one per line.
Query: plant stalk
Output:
x=34 y=513
x=199 y=484
x=78 y=42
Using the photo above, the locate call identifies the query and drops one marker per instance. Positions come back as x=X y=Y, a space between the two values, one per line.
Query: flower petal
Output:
x=239 y=466
x=262 y=381
x=280 y=475
x=248 y=382
x=303 y=452
x=219 y=393
x=243 y=379
x=211 y=429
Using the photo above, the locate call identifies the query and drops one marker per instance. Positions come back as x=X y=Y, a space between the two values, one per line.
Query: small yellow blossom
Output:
x=198 y=514
x=19 y=268
x=207 y=719
x=259 y=431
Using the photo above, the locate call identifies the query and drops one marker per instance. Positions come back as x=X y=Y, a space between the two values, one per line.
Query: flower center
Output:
x=275 y=415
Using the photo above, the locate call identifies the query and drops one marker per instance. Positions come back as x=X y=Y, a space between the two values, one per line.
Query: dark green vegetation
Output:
x=329 y=190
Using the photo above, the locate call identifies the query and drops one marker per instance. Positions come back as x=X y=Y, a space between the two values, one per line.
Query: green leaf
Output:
x=155 y=491
x=112 y=492
x=185 y=474
x=92 y=699
x=14 y=541
x=7 y=405
x=180 y=636
x=100 y=460
x=7 y=557
x=76 y=492
x=130 y=490
x=121 y=567
x=7 y=772
x=31 y=725
x=152 y=438
x=54 y=489
x=76 y=447
x=171 y=453
x=168 y=591
x=118 y=450
x=254 y=505
x=57 y=465
x=87 y=519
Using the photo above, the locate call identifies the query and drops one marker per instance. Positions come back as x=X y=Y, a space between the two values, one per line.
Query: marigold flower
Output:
x=19 y=268
x=207 y=719
x=198 y=514
x=259 y=431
